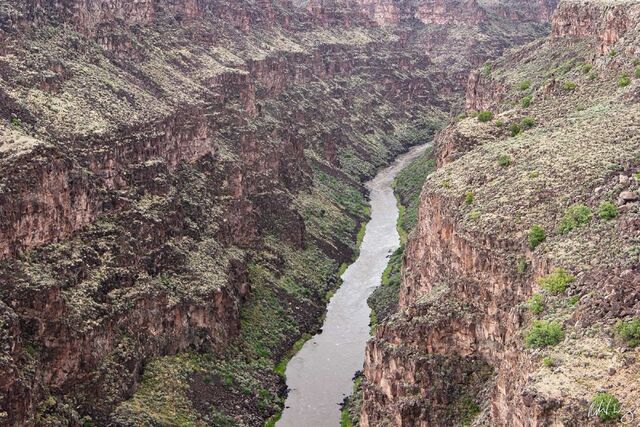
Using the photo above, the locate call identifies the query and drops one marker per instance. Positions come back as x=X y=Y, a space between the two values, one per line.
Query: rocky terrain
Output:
x=181 y=181
x=520 y=293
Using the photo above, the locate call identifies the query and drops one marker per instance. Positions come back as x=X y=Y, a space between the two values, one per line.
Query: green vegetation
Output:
x=536 y=236
x=608 y=210
x=485 y=116
x=526 y=101
x=624 y=80
x=573 y=300
x=486 y=69
x=569 y=85
x=282 y=365
x=515 y=129
x=15 y=121
x=613 y=53
x=548 y=362
x=504 y=160
x=499 y=123
x=586 y=68
x=575 y=216
x=474 y=215
x=528 y=123
x=543 y=333
x=637 y=73
x=557 y=281
x=536 y=304
x=521 y=265
x=524 y=85
x=606 y=406
x=468 y=197
x=467 y=409
x=629 y=331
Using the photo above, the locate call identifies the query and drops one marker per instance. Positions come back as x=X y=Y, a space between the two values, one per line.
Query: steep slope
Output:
x=520 y=291
x=181 y=181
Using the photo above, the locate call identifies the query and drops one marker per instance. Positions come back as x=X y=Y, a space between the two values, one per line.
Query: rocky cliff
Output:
x=181 y=180
x=519 y=297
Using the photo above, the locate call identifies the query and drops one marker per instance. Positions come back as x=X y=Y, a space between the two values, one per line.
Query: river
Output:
x=320 y=375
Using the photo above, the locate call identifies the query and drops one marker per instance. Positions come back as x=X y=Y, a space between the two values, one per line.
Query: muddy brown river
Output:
x=320 y=375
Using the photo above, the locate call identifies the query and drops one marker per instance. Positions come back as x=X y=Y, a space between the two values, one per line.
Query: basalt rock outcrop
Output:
x=476 y=287
x=181 y=180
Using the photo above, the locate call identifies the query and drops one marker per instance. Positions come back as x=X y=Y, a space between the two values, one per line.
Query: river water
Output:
x=320 y=375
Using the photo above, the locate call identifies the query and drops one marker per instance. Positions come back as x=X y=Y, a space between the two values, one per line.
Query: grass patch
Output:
x=536 y=304
x=606 y=406
x=485 y=116
x=608 y=210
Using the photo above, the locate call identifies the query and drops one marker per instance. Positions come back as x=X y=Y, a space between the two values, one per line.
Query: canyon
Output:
x=182 y=183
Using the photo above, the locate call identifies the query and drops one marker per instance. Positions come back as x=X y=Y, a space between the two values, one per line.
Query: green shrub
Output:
x=575 y=216
x=548 y=362
x=474 y=215
x=624 y=80
x=515 y=129
x=557 y=281
x=485 y=116
x=15 y=121
x=536 y=304
x=569 y=85
x=486 y=69
x=543 y=334
x=637 y=73
x=536 y=236
x=521 y=265
x=504 y=160
x=613 y=53
x=528 y=123
x=606 y=406
x=573 y=300
x=524 y=85
x=526 y=101
x=586 y=68
x=608 y=210
x=468 y=197
x=629 y=331
x=499 y=123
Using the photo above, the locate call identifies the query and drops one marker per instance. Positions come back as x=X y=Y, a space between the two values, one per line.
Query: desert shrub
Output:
x=474 y=215
x=575 y=216
x=486 y=69
x=557 y=281
x=629 y=331
x=504 y=160
x=524 y=85
x=515 y=129
x=468 y=197
x=637 y=73
x=624 y=80
x=499 y=123
x=521 y=265
x=613 y=53
x=573 y=300
x=569 y=85
x=586 y=68
x=536 y=236
x=606 y=406
x=536 y=304
x=16 y=122
x=543 y=333
x=485 y=116
x=526 y=101
x=548 y=362
x=608 y=210
x=528 y=122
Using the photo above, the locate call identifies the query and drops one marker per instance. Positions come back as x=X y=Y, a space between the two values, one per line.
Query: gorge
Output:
x=182 y=185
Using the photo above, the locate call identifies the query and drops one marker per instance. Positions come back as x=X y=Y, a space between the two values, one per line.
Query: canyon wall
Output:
x=475 y=284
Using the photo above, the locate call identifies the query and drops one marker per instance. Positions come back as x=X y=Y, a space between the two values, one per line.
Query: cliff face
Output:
x=180 y=182
x=477 y=293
